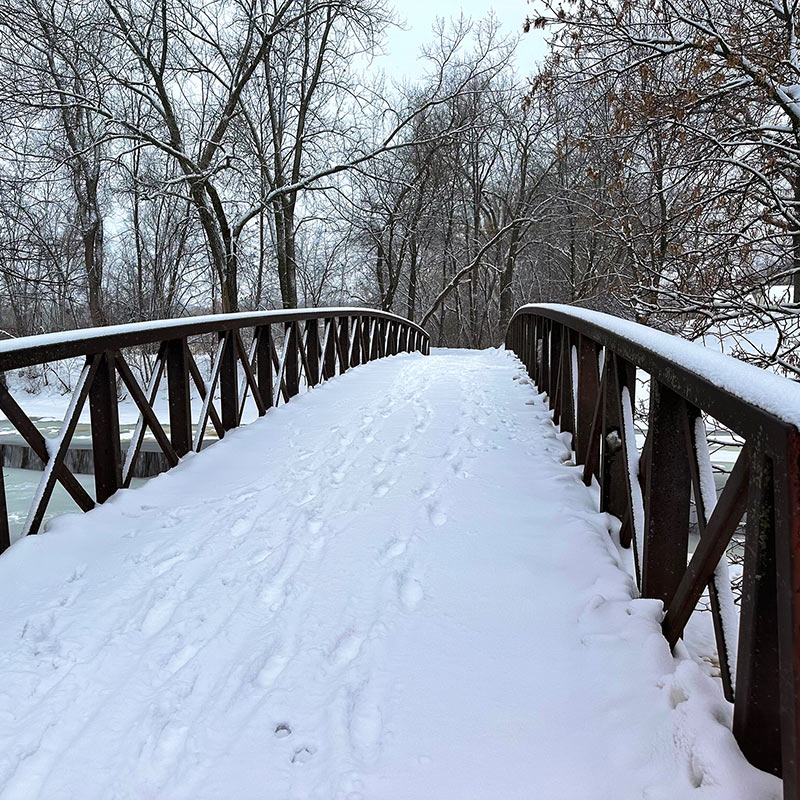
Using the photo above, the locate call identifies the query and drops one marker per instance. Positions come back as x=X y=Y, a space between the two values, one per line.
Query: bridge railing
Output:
x=587 y=362
x=267 y=356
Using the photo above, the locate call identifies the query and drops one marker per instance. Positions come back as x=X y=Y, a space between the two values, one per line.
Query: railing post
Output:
x=291 y=369
x=355 y=356
x=329 y=358
x=667 y=495
x=180 y=412
x=229 y=383
x=588 y=391
x=757 y=706
x=614 y=494
x=381 y=338
x=375 y=337
x=530 y=346
x=312 y=351
x=544 y=373
x=556 y=363
x=366 y=341
x=5 y=534
x=105 y=429
x=787 y=535
x=344 y=345
x=264 y=366
x=567 y=393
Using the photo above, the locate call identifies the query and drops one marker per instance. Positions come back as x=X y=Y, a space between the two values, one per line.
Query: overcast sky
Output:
x=418 y=15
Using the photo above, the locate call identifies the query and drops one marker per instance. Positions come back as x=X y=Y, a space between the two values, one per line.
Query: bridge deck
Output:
x=391 y=587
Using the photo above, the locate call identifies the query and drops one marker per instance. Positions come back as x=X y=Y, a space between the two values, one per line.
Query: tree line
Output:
x=165 y=157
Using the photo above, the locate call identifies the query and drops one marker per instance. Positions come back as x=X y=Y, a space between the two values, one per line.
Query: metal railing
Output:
x=586 y=362
x=279 y=353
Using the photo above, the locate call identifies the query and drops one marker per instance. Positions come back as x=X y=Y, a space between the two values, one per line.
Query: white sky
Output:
x=402 y=58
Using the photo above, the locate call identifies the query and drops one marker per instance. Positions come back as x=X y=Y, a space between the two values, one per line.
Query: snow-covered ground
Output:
x=392 y=588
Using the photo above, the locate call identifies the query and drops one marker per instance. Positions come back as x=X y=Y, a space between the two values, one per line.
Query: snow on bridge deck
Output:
x=391 y=588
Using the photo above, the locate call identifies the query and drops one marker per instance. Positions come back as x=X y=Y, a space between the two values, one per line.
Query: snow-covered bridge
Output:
x=395 y=586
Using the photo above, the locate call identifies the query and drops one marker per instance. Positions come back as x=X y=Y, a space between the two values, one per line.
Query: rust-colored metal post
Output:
x=375 y=336
x=757 y=707
x=355 y=354
x=566 y=393
x=787 y=535
x=312 y=351
x=229 y=383
x=5 y=534
x=329 y=358
x=105 y=429
x=544 y=374
x=555 y=375
x=588 y=391
x=667 y=496
x=291 y=368
x=614 y=470
x=180 y=413
x=344 y=345
x=366 y=342
x=264 y=367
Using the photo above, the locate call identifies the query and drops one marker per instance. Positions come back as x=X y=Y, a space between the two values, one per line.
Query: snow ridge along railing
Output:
x=268 y=355
x=586 y=362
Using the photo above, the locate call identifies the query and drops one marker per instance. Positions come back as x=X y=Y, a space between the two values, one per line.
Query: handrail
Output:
x=28 y=350
x=241 y=367
x=586 y=363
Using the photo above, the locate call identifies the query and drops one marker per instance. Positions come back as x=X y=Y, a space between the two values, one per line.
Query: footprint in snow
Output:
x=283 y=730
x=303 y=754
x=436 y=515
x=393 y=549
x=411 y=593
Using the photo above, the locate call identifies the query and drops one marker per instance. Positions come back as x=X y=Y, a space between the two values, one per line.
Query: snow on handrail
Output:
x=774 y=394
x=28 y=350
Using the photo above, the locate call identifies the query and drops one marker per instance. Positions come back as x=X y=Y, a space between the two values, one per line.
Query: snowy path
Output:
x=390 y=589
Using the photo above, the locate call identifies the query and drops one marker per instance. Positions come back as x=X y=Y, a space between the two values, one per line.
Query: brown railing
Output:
x=587 y=364
x=267 y=355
